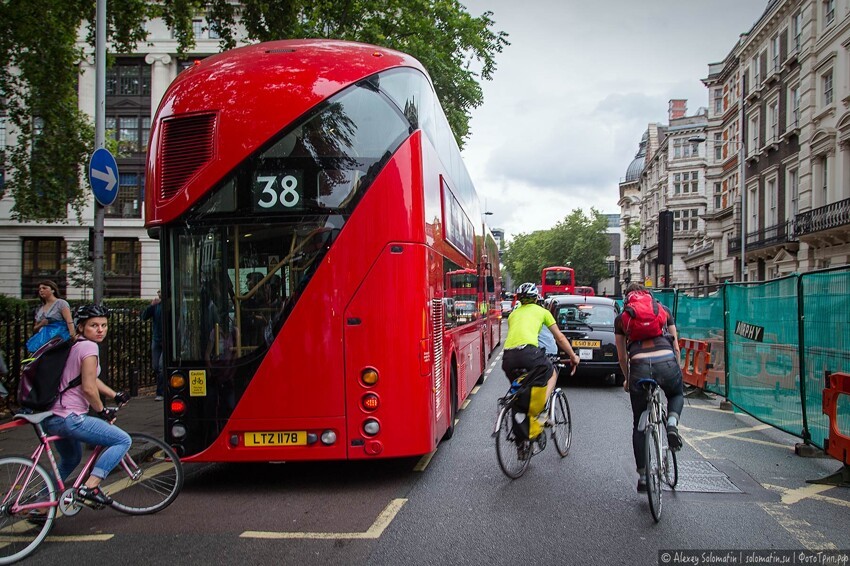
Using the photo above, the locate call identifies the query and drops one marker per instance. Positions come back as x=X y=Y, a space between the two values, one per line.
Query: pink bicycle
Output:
x=147 y=480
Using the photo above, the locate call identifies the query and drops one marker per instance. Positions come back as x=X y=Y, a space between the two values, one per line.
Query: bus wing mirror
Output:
x=153 y=232
x=491 y=284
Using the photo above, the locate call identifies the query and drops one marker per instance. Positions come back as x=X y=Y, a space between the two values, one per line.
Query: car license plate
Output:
x=278 y=438
x=587 y=343
x=585 y=354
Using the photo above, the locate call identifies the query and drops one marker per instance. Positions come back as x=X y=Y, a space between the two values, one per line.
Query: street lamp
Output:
x=742 y=185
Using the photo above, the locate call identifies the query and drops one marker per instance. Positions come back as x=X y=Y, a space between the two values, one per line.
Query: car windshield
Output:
x=588 y=314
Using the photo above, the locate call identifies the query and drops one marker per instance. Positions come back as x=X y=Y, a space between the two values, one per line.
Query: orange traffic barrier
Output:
x=836 y=444
x=697 y=358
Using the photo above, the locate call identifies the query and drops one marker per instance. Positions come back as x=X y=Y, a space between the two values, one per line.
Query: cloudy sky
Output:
x=575 y=90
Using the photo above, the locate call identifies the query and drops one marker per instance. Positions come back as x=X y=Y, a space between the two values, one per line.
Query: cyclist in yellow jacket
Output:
x=522 y=349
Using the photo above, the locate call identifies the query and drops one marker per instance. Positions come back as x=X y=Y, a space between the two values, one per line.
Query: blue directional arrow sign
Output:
x=103 y=176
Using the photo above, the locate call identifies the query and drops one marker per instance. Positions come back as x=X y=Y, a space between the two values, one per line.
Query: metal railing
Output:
x=832 y=215
x=772 y=235
x=125 y=354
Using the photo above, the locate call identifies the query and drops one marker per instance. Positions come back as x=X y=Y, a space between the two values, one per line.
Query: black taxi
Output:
x=588 y=323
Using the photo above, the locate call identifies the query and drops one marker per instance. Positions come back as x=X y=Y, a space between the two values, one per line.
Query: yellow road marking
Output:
x=475 y=390
x=424 y=461
x=707 y=408
x=712 y=435
x=465 y=404
x=734 y=431
x=63 y=538
x=374 y=532
x=798 y=528
x=813 y=491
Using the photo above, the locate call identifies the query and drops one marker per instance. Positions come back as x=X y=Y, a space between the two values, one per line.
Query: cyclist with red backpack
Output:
x=648 y=347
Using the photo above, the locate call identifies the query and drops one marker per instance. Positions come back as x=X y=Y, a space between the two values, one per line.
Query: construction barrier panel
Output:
x=697 y=360
x=837 y=443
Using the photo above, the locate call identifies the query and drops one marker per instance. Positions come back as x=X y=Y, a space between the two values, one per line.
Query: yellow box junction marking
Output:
x=375 y=531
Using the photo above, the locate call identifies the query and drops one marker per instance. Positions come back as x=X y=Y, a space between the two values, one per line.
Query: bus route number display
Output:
x=278 y=193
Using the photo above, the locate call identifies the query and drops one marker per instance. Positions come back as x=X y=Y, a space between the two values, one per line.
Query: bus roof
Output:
x=250 y=94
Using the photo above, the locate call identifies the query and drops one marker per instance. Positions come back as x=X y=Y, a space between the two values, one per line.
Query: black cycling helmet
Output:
x=527 y=293
x=85 y=312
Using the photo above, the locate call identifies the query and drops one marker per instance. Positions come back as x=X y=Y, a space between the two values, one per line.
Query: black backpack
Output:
x=41 y=377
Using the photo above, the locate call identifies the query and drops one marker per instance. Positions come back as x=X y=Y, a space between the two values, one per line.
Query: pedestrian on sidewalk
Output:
x=154 y=313
x=53 y=318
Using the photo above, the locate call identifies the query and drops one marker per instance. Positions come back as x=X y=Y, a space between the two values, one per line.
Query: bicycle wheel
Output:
x=562 y=431
x=671 y=467
x=20 y=531
x=653 y=470
x=671 y=464
x=147 y=480
x=513 y=454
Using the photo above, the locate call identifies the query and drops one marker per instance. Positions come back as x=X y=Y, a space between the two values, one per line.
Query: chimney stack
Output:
x=678 y=108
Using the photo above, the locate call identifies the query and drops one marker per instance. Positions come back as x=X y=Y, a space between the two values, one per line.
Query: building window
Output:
x=718 y=146
x=129 y=78
x=2 y=133
x=198 y=28
x=756 y=71
x=122 y=261
x=718 y=100
x=771 y=204
x=131 y=133
x=677 y=149
x=677 y=183
x=773 y=121
x=828 y=12
x=793 y=193
x=211 y=33
x=826 y=84
x=794 y=106
x=718 y=196
x=796 y=31
x=685 y=220
x=43 y=258
x=754 y=135
x=774 y=52
x=128 y=203
x=824 y=181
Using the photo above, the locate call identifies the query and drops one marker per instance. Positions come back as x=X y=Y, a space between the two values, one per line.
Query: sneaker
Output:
x=158 y=398
x=674 y=441
x=641 y=486
x=94 y=495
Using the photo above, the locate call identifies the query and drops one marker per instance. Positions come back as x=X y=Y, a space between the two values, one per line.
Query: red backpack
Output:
x=642 y=316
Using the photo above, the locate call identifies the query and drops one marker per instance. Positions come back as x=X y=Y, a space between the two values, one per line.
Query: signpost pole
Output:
x=99 y=136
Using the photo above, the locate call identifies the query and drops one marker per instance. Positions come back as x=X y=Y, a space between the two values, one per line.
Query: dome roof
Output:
x=636 y=166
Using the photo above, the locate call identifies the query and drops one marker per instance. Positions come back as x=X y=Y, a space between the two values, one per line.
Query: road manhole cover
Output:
x=702 y=477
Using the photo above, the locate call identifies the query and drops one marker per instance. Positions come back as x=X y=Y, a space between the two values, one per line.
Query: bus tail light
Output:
x=178 y=406
x=369 y=376
x=178 y=431
x=370 y=402
x=371 y=427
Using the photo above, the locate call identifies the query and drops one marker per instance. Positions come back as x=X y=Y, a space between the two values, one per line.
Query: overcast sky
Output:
x=575 y=90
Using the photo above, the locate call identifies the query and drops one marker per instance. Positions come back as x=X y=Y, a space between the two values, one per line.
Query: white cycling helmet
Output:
x=527 y=293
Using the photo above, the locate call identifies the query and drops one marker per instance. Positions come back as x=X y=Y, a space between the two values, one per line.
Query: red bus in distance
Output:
x=310 y=201
x=557 y=281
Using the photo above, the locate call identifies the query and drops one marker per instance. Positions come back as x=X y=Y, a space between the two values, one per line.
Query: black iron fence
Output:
x=832 y=215
x=125 y=354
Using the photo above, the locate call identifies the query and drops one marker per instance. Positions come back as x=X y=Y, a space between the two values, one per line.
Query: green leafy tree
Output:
x=578 y=241
x=39 y=68
x=81 y=274
x=632 y=234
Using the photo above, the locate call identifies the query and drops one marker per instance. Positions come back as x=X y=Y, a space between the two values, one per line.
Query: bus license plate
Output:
x=280 y=438
x=587 y=343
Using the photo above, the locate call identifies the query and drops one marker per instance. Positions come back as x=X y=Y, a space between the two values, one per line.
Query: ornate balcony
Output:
x=775 y=235
x=833 y=215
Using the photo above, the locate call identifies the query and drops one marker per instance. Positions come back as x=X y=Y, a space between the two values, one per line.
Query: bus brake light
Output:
x=178 y=407
x=370 y=402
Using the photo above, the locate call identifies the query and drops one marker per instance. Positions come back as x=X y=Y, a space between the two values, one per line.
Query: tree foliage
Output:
x=39 y=65
x=578 y=241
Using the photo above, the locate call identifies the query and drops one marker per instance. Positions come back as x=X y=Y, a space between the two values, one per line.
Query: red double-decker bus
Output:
x=310 y=200
x=557 y=281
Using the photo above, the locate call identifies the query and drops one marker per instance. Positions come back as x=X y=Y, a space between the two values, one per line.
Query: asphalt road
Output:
x=458 y=508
